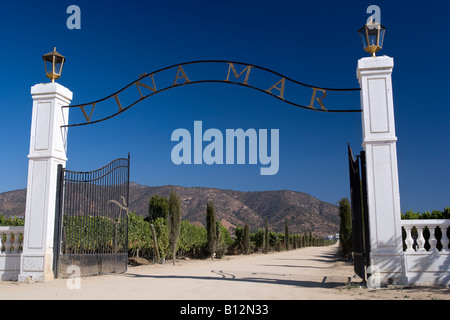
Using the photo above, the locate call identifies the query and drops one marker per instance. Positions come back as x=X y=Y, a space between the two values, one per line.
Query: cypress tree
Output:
x=266 y=237
x=345 y=228
x=174 y=220
x=286 y=235
x=246 y=239
x=211 y=228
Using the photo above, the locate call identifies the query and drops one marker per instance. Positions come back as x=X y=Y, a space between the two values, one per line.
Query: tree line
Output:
x=163 y=235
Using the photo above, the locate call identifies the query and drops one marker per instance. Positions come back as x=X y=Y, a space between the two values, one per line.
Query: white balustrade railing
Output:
x=11 y=239
x=426 y=255
x=418 y=243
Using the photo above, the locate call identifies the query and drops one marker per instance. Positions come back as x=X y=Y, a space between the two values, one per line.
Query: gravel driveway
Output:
x=307 y=273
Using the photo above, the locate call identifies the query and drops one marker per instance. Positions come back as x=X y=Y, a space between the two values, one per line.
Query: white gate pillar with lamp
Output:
x=47 y=149
x=379 y=143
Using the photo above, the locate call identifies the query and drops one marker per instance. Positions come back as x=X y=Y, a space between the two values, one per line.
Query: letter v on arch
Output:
x=88 y=119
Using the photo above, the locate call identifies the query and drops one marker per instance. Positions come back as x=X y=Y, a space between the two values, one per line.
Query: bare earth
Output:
x=309 y=273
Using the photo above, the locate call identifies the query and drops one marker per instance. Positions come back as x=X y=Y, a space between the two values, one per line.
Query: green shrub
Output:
x=139 y=236
x=11 y=221
x=435 y=214
x=224 y=240
x=192 y=238
x=345 y=229
x=258 y=239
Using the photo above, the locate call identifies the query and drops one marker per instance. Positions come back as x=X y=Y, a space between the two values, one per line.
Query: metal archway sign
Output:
x=218 y=71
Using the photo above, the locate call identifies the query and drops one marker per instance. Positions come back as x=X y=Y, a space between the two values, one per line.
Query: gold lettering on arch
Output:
x=88 y=119
x=236 y=75
x=183 y=75
x=240 y=75
x=281 y=88
x=137 y=83
x=319 y=99
x=116 y=96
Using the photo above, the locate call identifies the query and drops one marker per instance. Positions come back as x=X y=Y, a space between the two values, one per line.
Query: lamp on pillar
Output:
x=53 y=64
x=372 y=36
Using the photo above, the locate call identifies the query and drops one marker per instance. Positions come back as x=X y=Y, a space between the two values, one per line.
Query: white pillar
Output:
x=47 y=150
x=379 y=142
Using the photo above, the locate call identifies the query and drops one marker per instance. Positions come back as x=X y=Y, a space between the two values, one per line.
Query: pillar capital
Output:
x=378 y=64
x=41 y=89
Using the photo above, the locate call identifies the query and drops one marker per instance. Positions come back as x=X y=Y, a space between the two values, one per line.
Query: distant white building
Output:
x=331 y=237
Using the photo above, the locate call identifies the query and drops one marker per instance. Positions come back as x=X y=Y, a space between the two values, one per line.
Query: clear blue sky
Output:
x=313 y=42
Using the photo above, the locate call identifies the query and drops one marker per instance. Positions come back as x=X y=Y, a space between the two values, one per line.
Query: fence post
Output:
x=47 y=150
x=58 y=220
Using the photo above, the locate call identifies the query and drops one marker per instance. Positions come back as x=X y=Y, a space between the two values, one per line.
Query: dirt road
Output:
x=307 y=273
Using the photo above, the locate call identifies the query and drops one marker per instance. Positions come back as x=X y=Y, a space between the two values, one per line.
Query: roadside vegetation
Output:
x=200 y=242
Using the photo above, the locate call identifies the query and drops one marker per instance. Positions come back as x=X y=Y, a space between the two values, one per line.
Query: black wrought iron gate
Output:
x=91 y=221
x=360 y=213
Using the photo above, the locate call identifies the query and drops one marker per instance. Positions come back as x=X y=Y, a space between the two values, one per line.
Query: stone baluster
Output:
x=15 y=242
x=444 y=239
x=409 y=241
x=432 y=241
x=12 y=239
x=2 y=240
x=420 y=239
x=20 y=241
x=8 y=243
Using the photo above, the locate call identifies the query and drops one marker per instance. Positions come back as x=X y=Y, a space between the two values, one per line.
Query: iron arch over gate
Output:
x=262 y=79
x=91 y=222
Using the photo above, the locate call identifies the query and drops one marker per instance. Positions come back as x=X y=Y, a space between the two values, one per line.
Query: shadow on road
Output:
x=325 y=260
x=227 y=276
